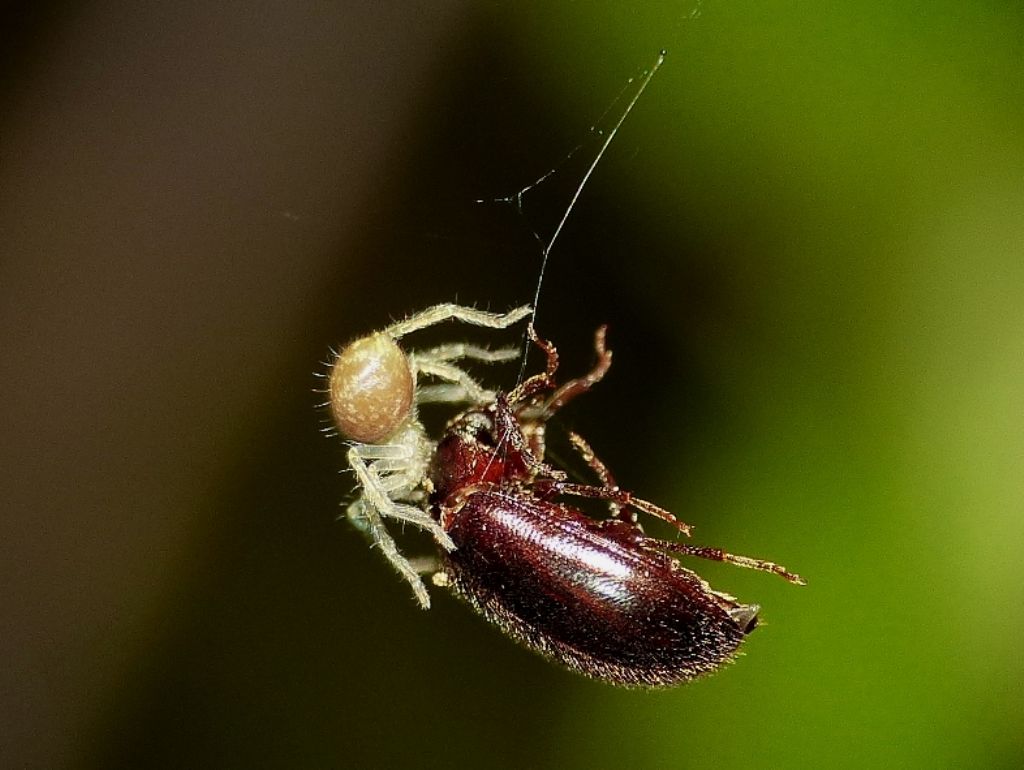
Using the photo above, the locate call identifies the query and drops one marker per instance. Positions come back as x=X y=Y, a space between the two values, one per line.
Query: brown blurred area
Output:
x=194 y=202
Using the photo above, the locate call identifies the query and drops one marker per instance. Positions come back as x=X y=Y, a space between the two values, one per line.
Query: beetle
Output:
x=597 y=596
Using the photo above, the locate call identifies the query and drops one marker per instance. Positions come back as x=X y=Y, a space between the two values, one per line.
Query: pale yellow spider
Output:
x=373 y=399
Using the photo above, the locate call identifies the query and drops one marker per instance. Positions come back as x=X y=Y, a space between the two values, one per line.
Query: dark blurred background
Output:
x=807 y=240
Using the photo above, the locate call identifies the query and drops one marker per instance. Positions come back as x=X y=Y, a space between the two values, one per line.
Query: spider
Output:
x=373 y=399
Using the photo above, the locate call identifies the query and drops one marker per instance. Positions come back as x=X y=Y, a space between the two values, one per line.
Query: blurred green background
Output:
x=808 y=240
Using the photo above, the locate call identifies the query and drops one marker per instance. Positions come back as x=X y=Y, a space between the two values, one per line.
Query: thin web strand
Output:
x=586 y=177
x=500 y=448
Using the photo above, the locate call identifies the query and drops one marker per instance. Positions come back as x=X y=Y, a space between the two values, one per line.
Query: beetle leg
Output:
x=509 y=436
x=616 y=495
x=596 y=465
x=580 y=385
x=521 y=395
x=717 y=554
x=581 y=445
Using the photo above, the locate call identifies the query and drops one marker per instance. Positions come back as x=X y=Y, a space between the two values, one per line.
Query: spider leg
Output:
x=456 y=351
x=448 y=311
x=366 y=518
x=453 y=374
x=377 y=492
x=445 y=393
x=437 y=362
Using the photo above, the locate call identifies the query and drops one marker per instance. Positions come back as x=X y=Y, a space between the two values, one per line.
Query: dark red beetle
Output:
x=597 y=596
